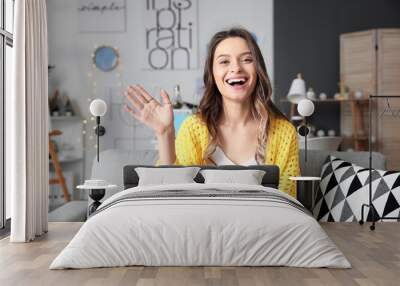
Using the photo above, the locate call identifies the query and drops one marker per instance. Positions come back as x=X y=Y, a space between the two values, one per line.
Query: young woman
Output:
x=237 y=123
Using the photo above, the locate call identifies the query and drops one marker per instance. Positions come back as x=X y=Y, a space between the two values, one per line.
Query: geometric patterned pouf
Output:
x=344 y=187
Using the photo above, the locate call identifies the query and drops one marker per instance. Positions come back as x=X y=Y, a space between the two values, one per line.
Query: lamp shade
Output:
x=98 y=107
x=305 y=107
x=297 y=90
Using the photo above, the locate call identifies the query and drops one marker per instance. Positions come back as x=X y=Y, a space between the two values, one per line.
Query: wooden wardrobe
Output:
x=370 y=62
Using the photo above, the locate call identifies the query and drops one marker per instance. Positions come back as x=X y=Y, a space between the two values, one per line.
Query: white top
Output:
x=220 y=158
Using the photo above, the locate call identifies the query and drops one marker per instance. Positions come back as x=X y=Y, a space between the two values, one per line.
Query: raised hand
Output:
x=148 y=110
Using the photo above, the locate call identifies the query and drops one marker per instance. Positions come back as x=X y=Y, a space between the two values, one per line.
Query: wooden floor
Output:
x=375 y=257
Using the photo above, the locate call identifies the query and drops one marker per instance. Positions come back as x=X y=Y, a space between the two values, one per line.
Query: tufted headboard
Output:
x=270 y=179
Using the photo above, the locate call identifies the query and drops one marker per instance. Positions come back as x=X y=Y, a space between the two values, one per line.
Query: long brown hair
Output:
x=262 y=107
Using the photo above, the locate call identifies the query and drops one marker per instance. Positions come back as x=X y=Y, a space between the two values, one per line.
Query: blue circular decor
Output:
x=105 y=58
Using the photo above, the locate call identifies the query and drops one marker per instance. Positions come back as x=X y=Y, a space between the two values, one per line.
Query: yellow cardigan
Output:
x=282 y=148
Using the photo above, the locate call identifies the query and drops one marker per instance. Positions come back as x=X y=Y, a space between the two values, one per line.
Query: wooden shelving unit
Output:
x=370 y=61
x=358 y=140
x=70 y=152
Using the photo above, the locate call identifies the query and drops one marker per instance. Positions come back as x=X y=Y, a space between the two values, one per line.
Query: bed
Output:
x=198 y=224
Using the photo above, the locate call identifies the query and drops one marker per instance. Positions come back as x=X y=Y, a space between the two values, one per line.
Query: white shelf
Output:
x=69 y=159
x=65 y=118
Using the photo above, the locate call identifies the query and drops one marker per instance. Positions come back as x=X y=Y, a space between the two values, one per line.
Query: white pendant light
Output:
x=305 y=107
x=98 y=108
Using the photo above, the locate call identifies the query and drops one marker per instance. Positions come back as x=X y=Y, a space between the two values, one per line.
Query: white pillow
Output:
x=249 y=177
x=164 y=176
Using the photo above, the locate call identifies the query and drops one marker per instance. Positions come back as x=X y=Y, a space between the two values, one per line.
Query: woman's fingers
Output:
x=131 y=111
x=143 y=102
x=132 y=90
x=165 y=97
x=134 y=101
x=145 y=95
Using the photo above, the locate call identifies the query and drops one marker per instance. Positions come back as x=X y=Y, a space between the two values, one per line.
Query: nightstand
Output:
x=306 y=190
x=97 y=190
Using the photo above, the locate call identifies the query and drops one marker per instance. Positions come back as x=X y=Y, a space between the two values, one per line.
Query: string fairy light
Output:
x=89 y=121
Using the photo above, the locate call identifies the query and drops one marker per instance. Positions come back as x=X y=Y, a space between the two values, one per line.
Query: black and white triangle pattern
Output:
x=344 y=187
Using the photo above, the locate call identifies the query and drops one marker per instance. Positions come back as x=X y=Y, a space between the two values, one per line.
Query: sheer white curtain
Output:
x=27 y=123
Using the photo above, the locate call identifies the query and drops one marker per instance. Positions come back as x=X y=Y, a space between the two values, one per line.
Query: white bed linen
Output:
x=206 y=231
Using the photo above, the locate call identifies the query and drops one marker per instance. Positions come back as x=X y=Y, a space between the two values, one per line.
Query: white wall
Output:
x=70 y=51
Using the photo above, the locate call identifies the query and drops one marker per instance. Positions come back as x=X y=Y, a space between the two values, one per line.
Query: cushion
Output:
x=344 y=187
x=160 y=176
x=249 y=177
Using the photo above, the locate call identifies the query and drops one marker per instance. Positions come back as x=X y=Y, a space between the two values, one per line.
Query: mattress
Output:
x=201 y=225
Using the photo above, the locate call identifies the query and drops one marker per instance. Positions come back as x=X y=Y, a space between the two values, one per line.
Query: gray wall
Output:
x=306 y=40
x=70 y=52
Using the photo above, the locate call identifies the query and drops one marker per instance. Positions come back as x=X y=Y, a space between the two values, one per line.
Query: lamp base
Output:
x=306 y=190
x=100 y=130
x=305 y=193
x=96 y=195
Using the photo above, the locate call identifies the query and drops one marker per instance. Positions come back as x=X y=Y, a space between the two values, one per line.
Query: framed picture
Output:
x=102 y=16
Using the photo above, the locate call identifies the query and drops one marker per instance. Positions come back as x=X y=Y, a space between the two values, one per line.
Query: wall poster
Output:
x=170 y=35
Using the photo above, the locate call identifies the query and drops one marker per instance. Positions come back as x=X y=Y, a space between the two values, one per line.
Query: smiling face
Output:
x=234 y=69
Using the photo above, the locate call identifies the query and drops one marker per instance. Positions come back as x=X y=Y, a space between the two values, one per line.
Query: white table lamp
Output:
x=297 y=90
x=98 y=108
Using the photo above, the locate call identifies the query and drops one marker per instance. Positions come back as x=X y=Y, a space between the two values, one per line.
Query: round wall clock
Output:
x=106 y=58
